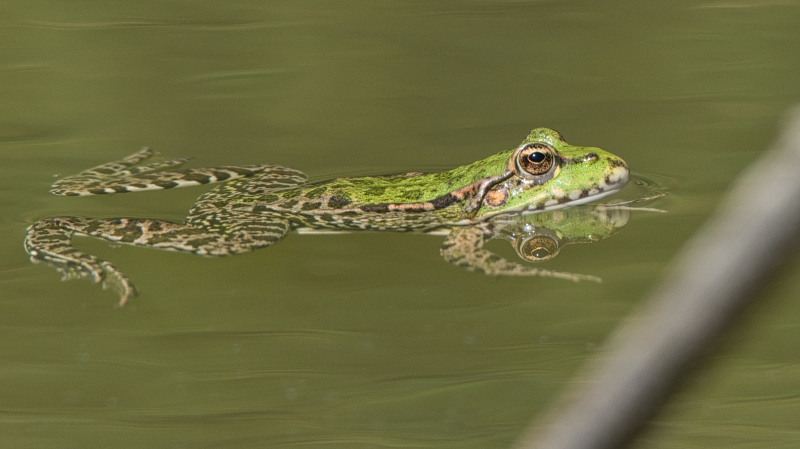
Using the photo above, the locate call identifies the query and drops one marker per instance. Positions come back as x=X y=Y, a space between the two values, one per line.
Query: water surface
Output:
x=370 y=340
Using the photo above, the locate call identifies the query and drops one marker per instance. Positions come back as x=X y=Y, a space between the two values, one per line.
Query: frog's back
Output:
x=397 y=203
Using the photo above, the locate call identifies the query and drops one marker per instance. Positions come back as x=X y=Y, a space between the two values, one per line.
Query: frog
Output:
x=258 y=205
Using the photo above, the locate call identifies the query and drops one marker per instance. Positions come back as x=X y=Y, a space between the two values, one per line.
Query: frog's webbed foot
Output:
x=49 y=241
x=464 y=247
x=132 y=174
x=217 y=234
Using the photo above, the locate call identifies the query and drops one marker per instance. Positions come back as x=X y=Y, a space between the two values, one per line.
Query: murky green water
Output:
x=371 y=340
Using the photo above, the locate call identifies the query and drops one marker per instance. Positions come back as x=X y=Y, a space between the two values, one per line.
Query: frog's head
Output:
x=546 y=173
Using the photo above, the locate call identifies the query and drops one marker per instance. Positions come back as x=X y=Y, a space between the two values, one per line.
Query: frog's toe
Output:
x=116 y=281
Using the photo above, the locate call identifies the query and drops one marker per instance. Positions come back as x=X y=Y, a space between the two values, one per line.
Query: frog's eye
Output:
x=535 y=159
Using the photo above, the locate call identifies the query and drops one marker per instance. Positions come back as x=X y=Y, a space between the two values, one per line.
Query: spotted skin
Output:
x=130 y=175
x=259 y=204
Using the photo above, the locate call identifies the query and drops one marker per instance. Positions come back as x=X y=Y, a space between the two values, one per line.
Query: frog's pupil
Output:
x=536 y=157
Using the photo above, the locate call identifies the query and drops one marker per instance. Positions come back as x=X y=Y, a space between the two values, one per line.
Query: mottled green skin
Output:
x=259 y=204
x=354 y=203
x=400 y=189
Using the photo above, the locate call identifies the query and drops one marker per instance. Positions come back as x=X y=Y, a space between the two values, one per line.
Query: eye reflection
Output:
x=537 y=248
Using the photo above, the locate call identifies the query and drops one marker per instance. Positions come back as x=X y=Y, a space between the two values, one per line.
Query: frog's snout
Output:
x=615 y=170
x=619 y=173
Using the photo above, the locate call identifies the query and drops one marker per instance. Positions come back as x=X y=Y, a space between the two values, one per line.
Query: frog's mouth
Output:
x=578 y=202
x=611 y=184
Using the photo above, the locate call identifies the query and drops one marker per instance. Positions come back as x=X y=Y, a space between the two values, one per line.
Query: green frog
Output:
x=259 y=204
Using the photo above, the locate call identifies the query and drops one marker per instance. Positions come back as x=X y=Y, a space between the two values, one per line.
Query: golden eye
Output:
x=537 y=249
x=535 y=159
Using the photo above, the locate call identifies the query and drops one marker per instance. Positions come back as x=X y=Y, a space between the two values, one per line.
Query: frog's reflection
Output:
x=535 y=238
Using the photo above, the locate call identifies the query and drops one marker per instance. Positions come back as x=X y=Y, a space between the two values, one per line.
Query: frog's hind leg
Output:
x=464 y=247
x=245 y=228
x=133 y=174
x=49 y=241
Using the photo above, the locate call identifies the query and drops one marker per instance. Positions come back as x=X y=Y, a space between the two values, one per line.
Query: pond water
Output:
x=370 y=340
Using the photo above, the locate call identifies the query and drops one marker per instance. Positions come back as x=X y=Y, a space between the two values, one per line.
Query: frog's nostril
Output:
x=591 y=157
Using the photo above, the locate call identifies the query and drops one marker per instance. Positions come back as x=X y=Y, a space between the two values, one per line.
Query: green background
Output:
x=370 y=340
